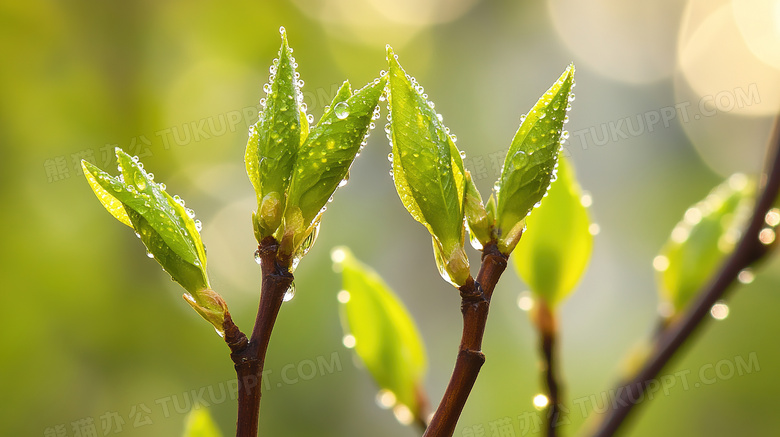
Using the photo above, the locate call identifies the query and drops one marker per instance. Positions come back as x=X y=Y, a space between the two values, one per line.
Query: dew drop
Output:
x=403 y=414
x=525 y=301
x=290 y=293
x=463 y=154
x=586 y=200
x=343 y=296
x=140 y=182
x=390 y=157
x=258 y=258
x=341 y=110
x=772 y=217
x=149 y=254
x=767 y=236
x=385 y=399
x=198 y=225
x=349 y=341
x=338 y=255
x=746 y=276
x=660 y=263
x=720 y=310
x=540 y=401
x=475 y=243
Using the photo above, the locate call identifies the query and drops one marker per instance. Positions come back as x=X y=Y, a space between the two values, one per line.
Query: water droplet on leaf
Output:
x=341 y=110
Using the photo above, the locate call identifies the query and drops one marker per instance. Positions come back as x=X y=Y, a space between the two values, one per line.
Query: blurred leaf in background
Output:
x=708 y=232
x=200 y=424
x=555 y=249
x=384 y=336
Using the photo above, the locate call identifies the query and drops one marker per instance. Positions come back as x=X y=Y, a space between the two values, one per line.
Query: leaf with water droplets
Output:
x=385 y=337
x=199 y=423
x=427 y=168
x=556 y=247
x=700 y=242
x=326 y=155
x=529 y=166
x=274 y=142
x=167 y=229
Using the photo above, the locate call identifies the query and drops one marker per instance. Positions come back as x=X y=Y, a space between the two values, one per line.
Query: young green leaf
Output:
x=200 y=424
x=323 y=161
x=556 y=247
x=698 y=244
x=384 y=335
x=427 y=169
x=480 y=225
x=274 y=141
x=530 y=163
x=167 y=229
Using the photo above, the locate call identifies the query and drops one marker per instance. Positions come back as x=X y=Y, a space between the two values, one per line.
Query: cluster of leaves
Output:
x=296 y=166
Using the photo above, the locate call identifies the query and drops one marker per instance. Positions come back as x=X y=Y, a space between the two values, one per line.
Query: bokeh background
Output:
x=672 y=97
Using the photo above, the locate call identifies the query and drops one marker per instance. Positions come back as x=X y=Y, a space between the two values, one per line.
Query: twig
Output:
x=249 y=356
x=475 y=302
x=546 y=324
x=748 y=251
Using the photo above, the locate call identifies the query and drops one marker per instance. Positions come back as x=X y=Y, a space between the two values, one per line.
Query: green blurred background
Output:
x=92 y=330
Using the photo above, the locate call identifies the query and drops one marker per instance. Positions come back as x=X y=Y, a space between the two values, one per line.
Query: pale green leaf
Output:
x=199 y=423
x=700 y=242
x=427 y=167
x=274 y=140
x=528 y=168
x=386 y=338
x=326 y=155
x=164 y=225
x=557 y=244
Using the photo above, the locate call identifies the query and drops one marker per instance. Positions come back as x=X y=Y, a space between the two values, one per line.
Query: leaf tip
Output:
x=283 y=34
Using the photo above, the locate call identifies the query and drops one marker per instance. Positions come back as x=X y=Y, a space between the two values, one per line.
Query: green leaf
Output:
x=324 y=159
x=556 y=247
x=700 y=242
x=199 y=423
x=427 y=168
x=480 y=225
x=528 y=168
x=386 y=338
x=274 y=142
x=167 y=229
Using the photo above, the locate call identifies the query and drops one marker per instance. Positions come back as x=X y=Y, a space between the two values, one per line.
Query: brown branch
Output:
x=249 y=356
x=546 y=324
x=748 y=251
x=475 y=302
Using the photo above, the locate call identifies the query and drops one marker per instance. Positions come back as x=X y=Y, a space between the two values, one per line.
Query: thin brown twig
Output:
x=475 y=303
x=748 y=251
x=249 y=356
